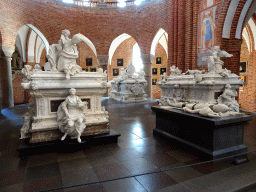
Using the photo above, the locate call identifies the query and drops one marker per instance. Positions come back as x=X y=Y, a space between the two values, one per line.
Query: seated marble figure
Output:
x=71 y=116
x=62 y=56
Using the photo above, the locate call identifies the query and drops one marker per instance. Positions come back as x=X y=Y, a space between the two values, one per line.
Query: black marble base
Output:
x=68 y=145
x=214 y=137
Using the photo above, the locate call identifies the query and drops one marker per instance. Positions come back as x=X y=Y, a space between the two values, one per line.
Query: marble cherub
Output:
x=215 y=64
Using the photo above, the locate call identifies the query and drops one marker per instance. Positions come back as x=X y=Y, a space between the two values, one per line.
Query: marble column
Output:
x=7 y=89
x=147 y=60
x=103 y=63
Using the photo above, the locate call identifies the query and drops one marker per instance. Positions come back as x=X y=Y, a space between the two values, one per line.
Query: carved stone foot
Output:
x=64 y=137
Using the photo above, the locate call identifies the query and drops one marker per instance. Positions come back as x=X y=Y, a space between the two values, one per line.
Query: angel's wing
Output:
x=224 y=54
x=77 y=38
x=53 y=55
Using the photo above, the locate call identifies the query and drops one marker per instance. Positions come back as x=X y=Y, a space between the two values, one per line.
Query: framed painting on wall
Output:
x=162 y=71
x=115 y=72
x=154 y=81
x=88 y=61
x=243 y=67
x=93 y=70
x=154 y=71
x=120 y=62
x=158 y=60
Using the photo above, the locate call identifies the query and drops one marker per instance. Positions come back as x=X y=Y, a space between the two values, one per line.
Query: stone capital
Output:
x=8 y=51
x=103 y=59
x=147 y=58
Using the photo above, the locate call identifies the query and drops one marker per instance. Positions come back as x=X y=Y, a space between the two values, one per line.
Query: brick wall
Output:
x=101 y=26
x=247 y=92
x=86 y=52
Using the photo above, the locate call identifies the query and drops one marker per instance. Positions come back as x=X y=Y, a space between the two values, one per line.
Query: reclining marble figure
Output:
x=226 y=106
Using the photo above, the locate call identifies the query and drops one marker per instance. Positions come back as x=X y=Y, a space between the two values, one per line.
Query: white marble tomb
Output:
x=129 y=86
x=209 y=94
x=49 y=89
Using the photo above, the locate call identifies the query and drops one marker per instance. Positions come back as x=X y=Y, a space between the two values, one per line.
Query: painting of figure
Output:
x=208 y=28
x=115 y=72
x=207 y=33
x=154 y=71
x=158 y=60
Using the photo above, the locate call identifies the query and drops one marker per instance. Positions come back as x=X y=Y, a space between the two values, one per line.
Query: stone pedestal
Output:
x=49 y=89
x=212 y=137
x=67 y=146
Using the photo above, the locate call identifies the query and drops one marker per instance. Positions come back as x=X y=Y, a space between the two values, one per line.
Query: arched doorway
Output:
x=159 y=49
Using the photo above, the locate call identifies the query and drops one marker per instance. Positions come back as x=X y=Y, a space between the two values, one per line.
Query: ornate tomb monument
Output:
x=66 y=101
x=200 y=109
x=129 y=86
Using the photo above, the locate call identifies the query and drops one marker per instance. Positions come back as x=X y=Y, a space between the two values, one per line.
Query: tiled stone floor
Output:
x=137 y=162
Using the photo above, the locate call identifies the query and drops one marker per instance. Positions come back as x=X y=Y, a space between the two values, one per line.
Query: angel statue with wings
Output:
x=215 y=64
x=62 y=56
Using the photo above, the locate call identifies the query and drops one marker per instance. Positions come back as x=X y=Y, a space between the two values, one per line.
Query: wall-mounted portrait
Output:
x=115 y=72
x=243 y=67
x=162 y=71
x=158 y=60
x=88 y=61
x=93 y=70
x=154 y=71
x=154 y=81
x=120 y=62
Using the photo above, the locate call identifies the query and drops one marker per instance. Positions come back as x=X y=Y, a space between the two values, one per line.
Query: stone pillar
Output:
x=7 y=89
x=103 y=63
x=147 y=60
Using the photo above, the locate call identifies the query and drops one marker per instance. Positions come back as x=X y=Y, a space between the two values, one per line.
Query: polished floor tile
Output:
x=124 y=185
x=183 y=174
x=43 y=171
x=152 y=182
x=12 y=177
x=74 y=165
x=86 y=188
x=111 y=171
x=45 y=183
x=162 y=160
x=139 y=166
x=12 y=188
x=80 y=177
